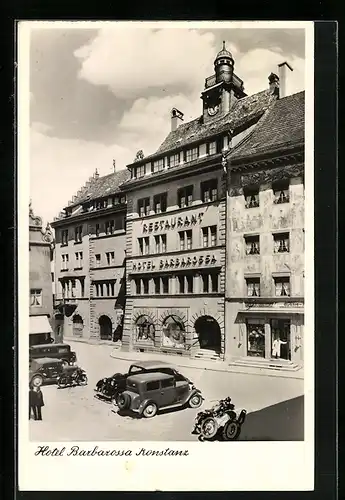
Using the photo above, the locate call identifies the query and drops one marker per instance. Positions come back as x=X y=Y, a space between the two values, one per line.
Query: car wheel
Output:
x=208 y=428
x=150 y=410
x=195 y=401
x=123 y=401
x=231 y=431
x=62 y=382
x=37 y=380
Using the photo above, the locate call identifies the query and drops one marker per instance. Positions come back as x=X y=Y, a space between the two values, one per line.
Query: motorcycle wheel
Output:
x=62 y=382
x=231 y=431
x=208 y=428
x=83 y=380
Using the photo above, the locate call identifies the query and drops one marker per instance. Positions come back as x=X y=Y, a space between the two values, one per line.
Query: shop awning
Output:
x=268 y=310
x=40 y=324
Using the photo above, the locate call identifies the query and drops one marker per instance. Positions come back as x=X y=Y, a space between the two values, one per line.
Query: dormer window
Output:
x=192 y=154
x=158 y=165
x=212 y=148
x=174 y=160
x=140 y=171
x=101 y=204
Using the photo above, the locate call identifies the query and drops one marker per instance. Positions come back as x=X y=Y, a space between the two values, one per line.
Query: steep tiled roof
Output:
x=102 y=186
x=244 y=110
x=281 y=127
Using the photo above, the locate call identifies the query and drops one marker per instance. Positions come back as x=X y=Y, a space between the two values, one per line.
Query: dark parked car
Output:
x=146 y=393
x=44 y=370
x=110 y=387
x=57 y=351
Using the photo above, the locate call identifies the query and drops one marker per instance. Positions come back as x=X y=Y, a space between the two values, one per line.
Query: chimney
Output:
x=282 y=78
x=176 y=119
x=273 y=81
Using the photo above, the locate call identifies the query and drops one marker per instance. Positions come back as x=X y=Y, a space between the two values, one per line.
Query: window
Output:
x=64 y=237
x=98 y=259
x=64 y=262
x=78 y=260
x=174 y=160
x=120 y=222
x=255 y=338
x=165 y=284
x=209 y=236
x=152 y=386
x=105 y=288
x=97 y=229
x=158 y=165
x=181 y=282
x=161 y=243
x=281 y=192
x=145 y=329
x=78 y=234
x=160 y=203
x=36 y=297
x=210 y=282
x=144 y=245
x=115 y=200
x=146 y=283
x=253 y=287
x=174 y=332
x=123 y=199
x=281 y=242
x=143 y=207
x=101 y=204
x=192 y=154
x=252 y=245
x=209 y=190
x=251 y=196
x=157 y=282
x=185 y=284
x=282 y=286
x=212 y=148
x=109 y=227
x=99 y=289
x=169 y=382
x=140 y=171
x=185 y=196
x=137 y=286
x=110 y=258
x=82 y=287
x=185 y=238
x=73 y=288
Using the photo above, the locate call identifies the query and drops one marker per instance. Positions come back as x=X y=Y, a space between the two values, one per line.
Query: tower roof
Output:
x=224 y=53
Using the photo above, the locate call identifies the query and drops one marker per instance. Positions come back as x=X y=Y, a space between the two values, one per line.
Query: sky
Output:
x=103 y=94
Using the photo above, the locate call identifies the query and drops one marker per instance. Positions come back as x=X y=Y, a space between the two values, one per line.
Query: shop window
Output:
x=174 y=160
x=253 y=287
x=64 y=237
x=160 y=203
x=209 y=236
x=145 y=329
x=255 y=338
x=36 y=297
x=145 y=287
x=209 y=190
x=144 y=245
x=158 y=165
x=165 y=284
x=251 y=196
x=78 y=234
x=157 y=283
x=192 y=154
x=185 y=196
x=280 y=338
x=252 y=245
x=281 y=192
x=282 y=286
x=137 y=286
x=174 y=332
x=143 y=207
x=281 y=242
x=161 y=243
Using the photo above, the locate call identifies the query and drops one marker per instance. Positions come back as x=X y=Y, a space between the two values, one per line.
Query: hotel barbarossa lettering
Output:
x=175 y=263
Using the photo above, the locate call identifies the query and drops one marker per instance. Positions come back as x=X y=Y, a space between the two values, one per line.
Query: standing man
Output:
x=37 y=402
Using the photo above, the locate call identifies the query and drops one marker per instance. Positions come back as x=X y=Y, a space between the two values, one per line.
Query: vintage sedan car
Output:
x=45 y=370
x=57 y=351
x=147 y=393
x=109 y=388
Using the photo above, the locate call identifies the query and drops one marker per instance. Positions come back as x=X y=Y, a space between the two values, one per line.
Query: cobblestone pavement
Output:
x=274 y=405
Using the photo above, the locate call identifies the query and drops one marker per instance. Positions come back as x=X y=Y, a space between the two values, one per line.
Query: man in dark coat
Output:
x=36 y=402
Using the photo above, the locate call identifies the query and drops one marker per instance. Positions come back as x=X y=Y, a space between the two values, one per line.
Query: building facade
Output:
x=40 y=279
x=90 y=261
x=265 y=241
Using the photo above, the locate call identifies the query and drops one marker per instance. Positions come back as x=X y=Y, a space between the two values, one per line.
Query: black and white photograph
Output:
x=166 y=172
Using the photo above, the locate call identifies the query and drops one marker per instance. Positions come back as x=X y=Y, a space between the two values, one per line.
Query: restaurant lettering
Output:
x=172 y=223
x=175 y=263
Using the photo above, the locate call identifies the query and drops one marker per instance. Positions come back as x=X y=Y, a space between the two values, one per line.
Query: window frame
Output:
x=160 y=199
x=186 y=193
x=144 y=206
x=209 y=188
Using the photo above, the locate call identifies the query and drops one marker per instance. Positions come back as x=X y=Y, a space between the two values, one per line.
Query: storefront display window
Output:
x=173 y=332
x=145 y=329
x=255 y=338
x=280 y=331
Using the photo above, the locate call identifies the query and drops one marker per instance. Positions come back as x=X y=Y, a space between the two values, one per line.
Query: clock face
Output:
x=213 y=110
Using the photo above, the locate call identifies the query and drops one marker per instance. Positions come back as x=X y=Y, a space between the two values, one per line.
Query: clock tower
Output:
x=221 y=89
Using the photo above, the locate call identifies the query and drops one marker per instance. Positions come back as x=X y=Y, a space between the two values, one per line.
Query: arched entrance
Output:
x=208 y=331
x=174 y=332
x=105 y=328
x=78 y=325
x=145 y=329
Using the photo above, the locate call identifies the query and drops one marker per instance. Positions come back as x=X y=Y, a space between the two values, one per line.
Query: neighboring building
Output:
x=41 y=296
x=265 y=241
x=90 y=261
x=176 y=224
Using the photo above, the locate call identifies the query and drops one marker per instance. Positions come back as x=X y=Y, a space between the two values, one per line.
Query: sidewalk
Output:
x=216 y=366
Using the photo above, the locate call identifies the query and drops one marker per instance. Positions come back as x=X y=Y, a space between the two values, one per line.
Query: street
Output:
x=274 y=406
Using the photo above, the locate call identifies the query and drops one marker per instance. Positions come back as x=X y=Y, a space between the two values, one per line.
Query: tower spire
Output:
x=224 y=45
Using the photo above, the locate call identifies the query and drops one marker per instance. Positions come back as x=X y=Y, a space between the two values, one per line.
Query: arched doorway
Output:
x=145 y=329
x=105 y=328
x=78 y=325
x=173 y=332
x=208 y=331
